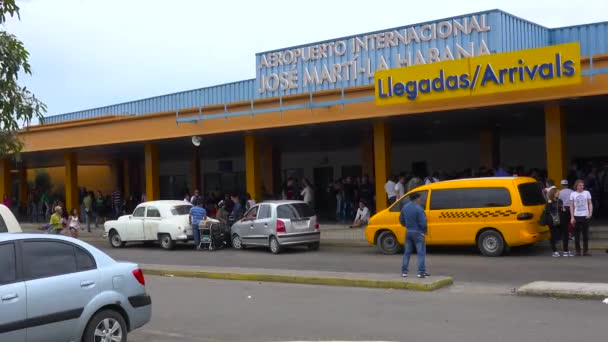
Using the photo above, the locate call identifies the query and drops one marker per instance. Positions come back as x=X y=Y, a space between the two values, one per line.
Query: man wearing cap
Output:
x=564 y=205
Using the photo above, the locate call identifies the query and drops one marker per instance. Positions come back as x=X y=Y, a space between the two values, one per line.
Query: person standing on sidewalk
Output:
x=197 y=214
x=552 y=211
x=87 y=204
x=391 y=193
x=564 y=216
x=413 y=218
x=581 y=210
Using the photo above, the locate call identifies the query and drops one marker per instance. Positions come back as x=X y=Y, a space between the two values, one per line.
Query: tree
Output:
x=18 y=106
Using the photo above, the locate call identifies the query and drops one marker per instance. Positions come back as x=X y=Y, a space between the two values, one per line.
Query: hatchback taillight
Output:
x=139 y=275
x=281 y=227
x=317 y=227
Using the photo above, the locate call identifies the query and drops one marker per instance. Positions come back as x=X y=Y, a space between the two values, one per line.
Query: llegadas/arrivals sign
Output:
x=551 y=66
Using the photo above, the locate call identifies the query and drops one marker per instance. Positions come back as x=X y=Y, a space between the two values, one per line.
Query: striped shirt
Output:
x=197 y=214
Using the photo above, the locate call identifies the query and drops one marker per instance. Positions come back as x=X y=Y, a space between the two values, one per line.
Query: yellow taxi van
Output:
x=490 y=213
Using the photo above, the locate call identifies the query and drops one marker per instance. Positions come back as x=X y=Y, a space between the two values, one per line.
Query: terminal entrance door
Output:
x=322 y=179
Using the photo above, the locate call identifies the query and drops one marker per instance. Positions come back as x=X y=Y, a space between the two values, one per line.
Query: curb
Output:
x=564 y=290
x=308 y=280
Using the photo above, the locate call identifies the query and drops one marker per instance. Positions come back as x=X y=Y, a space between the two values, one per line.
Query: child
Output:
x=74 y=224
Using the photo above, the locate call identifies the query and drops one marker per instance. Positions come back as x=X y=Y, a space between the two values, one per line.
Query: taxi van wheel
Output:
x=166 y=242
x=115 y=240
x=107 y=325
x=491 y=243
x=387 y=243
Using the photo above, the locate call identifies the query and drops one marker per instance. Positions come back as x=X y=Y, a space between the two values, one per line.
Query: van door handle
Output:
x=87 y=283
x=9 y=297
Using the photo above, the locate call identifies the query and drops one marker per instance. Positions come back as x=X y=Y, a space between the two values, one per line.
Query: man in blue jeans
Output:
x=197 y=214
x=414 y=219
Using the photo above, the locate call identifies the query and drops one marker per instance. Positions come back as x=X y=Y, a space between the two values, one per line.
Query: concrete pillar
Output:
x=5 y=178
x=71 y=181
x=382 y=161
x=152 y=172
x=252 y=167
x=555 y=138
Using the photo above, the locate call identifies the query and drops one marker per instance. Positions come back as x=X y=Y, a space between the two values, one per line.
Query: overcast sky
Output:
x=91 y=53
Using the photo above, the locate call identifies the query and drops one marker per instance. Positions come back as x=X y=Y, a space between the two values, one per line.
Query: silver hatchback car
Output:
x=277 y=224
x=55 y=288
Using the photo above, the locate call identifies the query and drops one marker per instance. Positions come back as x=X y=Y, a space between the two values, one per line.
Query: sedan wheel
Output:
x=106 y=326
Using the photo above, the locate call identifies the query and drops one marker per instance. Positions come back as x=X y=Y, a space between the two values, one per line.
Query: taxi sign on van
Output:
x=551 y=66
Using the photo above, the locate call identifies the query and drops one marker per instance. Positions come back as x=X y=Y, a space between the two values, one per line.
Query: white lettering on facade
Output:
x=347 y=60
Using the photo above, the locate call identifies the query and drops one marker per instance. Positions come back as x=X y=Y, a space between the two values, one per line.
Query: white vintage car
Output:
x=163 y=221
x=8 y=222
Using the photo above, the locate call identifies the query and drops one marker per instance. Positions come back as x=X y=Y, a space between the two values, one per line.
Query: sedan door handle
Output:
x=9 y=297
x=87 y=283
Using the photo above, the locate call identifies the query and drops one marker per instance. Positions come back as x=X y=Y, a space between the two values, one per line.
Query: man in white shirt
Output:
x=400 y=187
x=362 y=217
x=581 y=210
x=389 y=187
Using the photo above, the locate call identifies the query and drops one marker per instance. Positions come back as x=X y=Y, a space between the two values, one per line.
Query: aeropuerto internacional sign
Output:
x=352 y=61
x=551 y=66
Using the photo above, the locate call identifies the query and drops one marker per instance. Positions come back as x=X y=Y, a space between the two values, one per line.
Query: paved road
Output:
x=188 y=310
x=465 y=265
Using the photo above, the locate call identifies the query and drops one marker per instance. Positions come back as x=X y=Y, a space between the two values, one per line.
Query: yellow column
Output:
x=367 y=156
x=195 y=170
x=252 y=167
x=487 y=148
x=382 y=161
x=23 y=188
x=126 y=178
x=71 y=181
x=152 y=172
x=268 y=157
x=5 y=178
x=555 y=138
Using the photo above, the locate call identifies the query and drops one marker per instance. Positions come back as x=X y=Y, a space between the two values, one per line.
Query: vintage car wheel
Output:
x=166 y=242
x=116 y=240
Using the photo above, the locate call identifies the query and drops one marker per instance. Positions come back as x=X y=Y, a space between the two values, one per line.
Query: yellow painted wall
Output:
x=92 y=177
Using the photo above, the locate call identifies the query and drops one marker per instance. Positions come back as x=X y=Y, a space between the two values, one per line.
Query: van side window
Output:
x=531 y=194
x=470 y=198
x=406 y=199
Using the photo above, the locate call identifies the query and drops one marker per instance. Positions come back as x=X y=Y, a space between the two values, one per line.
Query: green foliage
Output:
x=42 y=181
x=18 y=106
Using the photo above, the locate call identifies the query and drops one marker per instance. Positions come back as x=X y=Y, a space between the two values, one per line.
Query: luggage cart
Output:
x=212 y=235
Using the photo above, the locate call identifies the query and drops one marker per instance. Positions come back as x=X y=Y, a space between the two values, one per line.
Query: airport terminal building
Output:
x=477 y=90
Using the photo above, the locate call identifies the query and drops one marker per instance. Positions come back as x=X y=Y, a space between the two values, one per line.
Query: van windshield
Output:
x=531 y=194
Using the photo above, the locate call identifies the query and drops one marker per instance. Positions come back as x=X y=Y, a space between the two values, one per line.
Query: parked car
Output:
x=277 y=224
x=164 y=221
x=8 y=222
x=490 y=213
x=55 y=288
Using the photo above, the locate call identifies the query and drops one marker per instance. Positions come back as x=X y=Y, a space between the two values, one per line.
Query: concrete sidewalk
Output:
x=565 y=290
x=331 y=234
x=345 y=279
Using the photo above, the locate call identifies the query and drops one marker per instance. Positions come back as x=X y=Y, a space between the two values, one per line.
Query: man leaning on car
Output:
x=197 y=214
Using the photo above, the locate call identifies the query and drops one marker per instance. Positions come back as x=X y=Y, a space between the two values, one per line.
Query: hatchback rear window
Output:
x=531 y=194
x=294 y=211
x=181 y=210
x=3 y=227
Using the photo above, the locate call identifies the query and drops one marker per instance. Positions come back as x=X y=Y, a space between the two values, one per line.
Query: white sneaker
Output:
x=556 y=254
